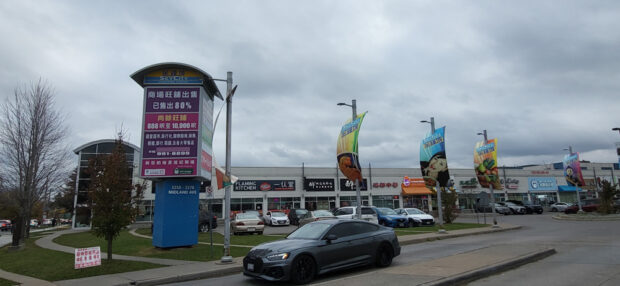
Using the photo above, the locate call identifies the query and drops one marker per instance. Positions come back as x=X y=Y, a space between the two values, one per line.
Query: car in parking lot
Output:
x=514 y=208
x=559 y=206
x=295 y=214
x=320 y=247
x=368 y=214
x=316 y=216
x=204 y=217
x=502 y=209
x=389 y=217
x=416 y=216
x=5 y=225
x=276 y=218
x=530 y=207
x=246 y=223
x=589 y=205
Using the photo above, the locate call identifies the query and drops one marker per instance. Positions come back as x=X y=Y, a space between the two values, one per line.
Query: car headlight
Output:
x=277 y=257
x=388 y=218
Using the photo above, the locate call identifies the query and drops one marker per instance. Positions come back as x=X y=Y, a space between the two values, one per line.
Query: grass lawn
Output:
x=4 y=282
x=247 y=239
x=53 y=265
x=435 y=228
x=127 y=244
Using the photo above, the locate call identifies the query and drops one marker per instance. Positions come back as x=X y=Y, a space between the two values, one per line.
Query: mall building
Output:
x=283 y=188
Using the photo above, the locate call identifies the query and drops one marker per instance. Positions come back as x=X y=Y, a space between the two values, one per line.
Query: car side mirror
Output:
x=331 y=237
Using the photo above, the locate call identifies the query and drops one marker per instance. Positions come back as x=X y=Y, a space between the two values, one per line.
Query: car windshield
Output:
x=415 y=211
x=309 y=231
x=510 y=204
x=386 y=211
x=277 y=214
x=368 y=211
x=246 y=216
x=301 y=212
x=322 y=213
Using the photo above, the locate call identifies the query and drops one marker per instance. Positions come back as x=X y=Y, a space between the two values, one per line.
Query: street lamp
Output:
x=484 y=133
x=358 y=195
x=437 y=187
x=570 y=179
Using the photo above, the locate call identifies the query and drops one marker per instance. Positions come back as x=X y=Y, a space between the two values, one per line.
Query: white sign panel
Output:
x=87 y=257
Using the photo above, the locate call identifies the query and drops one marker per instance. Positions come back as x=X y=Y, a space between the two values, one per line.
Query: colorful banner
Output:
x=348 y=160
x=485 y=164
x=572 y=170
x=433 y=162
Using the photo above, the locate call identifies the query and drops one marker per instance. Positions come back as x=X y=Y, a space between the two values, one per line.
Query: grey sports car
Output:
x=321 y=247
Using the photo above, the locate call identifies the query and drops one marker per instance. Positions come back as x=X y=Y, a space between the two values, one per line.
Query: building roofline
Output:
x=80 y=148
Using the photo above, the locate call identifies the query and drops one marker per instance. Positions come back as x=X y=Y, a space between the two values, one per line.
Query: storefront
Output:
x=416 y=194
x=544 y=190
x=320 y=203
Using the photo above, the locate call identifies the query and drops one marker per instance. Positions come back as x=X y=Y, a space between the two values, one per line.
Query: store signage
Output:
x=469 y=184
x=177 y=132
x=510 y=183
x=385 y=185
x=87 y=257
x=542 y=184
x=264 y=185
x=319 y=185
x=348 y=185
x=406 y=181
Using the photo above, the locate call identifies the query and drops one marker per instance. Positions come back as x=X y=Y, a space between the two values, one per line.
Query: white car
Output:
x=276 y=218
x=416 y=216
x=368 y=214
x=559 y=207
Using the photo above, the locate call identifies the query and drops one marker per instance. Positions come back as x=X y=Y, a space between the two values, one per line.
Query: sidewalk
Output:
x=492 y=260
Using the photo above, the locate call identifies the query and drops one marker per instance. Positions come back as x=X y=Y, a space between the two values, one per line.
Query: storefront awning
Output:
x=416 y=187
x=567 y=188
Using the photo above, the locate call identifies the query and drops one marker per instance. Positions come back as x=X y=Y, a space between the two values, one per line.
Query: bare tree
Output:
x=34 y=156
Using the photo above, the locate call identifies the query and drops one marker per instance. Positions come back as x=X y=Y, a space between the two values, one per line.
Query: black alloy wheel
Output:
x=385 y=254
x=204 y=227
x=303 y=269
x=413 y=223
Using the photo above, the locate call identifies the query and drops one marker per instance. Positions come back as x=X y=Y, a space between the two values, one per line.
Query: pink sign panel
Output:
x=170 y=121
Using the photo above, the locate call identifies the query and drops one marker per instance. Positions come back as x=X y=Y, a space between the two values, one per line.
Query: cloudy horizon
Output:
x=537 y=76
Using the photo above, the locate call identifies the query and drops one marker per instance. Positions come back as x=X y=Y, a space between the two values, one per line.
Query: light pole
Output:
x=570 y=152
x=358 y=195
x=484 y=133
x=437 y=187
x=230 y=91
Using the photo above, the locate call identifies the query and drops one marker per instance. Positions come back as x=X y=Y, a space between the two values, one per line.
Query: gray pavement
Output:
x=492 y=260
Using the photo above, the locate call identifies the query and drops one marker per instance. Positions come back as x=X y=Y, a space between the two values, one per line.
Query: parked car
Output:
x=589 y=205
x=502 y=209
x=559 y=207
x=315 y=216
x=514 y=208
x=276 y=218
x=246 y=223
x=416 y=216
x=389 y=217
x=320 y=247
x=34 y=223
x=254 y=212
x=203 y=221
x=5 y=225
x=530 y=207
x=368 y=214
x=295 y=214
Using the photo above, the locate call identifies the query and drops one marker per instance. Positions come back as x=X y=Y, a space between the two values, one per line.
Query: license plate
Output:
x=250 y=229
x=250 y=267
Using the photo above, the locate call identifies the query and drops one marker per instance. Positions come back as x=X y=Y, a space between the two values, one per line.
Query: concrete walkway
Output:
x=494 y=260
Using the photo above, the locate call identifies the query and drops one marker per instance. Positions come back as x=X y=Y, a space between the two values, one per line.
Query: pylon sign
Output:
x=177 y=130
x=177 y=133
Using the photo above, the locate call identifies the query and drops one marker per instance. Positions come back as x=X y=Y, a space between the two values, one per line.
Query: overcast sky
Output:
x=538 y=75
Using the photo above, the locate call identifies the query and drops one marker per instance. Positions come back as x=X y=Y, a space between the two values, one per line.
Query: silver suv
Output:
x=368 y=214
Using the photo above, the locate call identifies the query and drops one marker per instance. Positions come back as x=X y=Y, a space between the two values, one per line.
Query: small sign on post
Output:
x=87 y=257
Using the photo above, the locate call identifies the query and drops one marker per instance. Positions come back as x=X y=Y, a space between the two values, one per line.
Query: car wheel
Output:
x=385 y=254
x=413 y=223
x=303 y=269
x=204 y=227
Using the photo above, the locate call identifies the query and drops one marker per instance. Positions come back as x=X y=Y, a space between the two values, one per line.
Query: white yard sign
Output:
x=87 y=257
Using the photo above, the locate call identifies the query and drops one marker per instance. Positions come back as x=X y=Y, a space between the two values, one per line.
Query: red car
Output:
x=5 y=224
x=590 y=205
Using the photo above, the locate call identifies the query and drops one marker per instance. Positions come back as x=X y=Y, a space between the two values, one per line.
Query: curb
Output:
x=586 y=217
x=449 y=235
x=189 y=277
x=467 y=277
